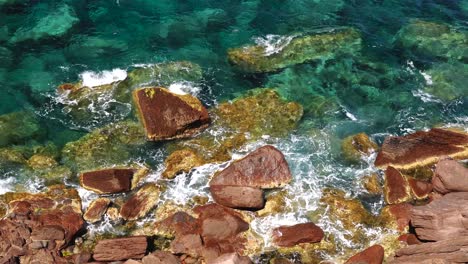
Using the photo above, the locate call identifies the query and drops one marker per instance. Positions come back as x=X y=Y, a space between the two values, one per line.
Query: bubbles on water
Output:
x=92 y=79
x=273 y=43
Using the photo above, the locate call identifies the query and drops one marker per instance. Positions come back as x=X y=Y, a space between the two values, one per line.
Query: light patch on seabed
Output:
x=92 y=79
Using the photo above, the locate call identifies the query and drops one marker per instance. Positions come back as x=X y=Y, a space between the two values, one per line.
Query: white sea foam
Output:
x=7 y=185
x=92 y=79
x=425 y=97
x=273 y=43
x=428 y=78
x=183 y=88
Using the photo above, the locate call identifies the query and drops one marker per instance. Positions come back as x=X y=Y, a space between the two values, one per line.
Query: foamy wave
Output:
x=7 y=185
x=92 y=79
x=273 y=43
x=425 y=97
x=184 y=88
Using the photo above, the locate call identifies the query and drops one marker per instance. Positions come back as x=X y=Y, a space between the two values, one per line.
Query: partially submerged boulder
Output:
x=166 y=115
x=396 y=216
x=289 y=236
x=372 y=255
x=396 y=187
x=443 y=218
x=18 y=127
x=422 y=148
x=450 y=176
x=291 y=50
x=446 y=81
x=96 y=210
x=120 y=248
x=140 y=203
x=355 y=147
x=113 y=180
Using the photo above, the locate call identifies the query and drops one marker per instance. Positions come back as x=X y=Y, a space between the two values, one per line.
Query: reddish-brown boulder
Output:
x=178 y=224
x=108 y=181
x=264 y=168
x=444 y=218
x=96 y=210
x=450 y=176
x=231 y=258
x=140 y=203
x=419 y=189
x=160 y=257
x=289 y=236
x=166 y=115
x=372 y=255
x=241 y=197
x=190 y=244
x=409 y=239
x=396 y=216
x=396 y=187
x=446 y=251
x=422 y=148
x=120 y=248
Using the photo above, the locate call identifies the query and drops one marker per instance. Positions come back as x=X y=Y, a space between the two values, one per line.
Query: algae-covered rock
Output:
x=181 y=161
x=372 y=184
x=19 y=127
x=291 y=50
x=355 y=147
x=431 y=39
x=54 y=23
x=447 y=81
x=139 y=204
x=109 y=145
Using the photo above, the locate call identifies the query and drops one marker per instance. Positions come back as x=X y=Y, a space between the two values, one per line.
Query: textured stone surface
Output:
x=96 y=210
x=371 y=255
x=231 y=258
x=238 y=196
x=396 y=216
x=356 y=146
x=450 y=176
x=120 y=249
x=396 y=187
x=422 y=148
x=181 y=161
x=141 y=202
x=443 y=218
x=166 y=115
x=289 y=236
x=108 y=181
x=452 y=250
x=160 y=257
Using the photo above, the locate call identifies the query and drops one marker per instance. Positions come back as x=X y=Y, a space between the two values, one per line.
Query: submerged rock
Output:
x=288 y=236
x=371 y=255
x=181 y=161
x=54 y=23
x=291 y=50
x=372 y=184
x=114 y=180
x=166 y=115
x=356 y=146
x=120 y=248
x=430 y=39
x=450 y=176
x=139 y=204
x=422 y=149
x=447 y=81
x=19 y=127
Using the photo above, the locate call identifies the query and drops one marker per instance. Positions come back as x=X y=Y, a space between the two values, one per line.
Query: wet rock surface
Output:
x=140 y=203
x=371 y=255
x=120 y=249
x=288 y=236
x=108 y=181
x=96 y=210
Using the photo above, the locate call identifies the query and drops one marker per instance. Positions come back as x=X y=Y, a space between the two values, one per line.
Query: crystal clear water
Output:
x=386 y=89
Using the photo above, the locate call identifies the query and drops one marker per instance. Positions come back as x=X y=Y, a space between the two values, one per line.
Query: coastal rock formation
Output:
x=240 y=184
x=447 y=81
x=295 y=50
x=450 y=176
x=232 y=258
x=160 y=257
x=289 y=236
x=443 y=218
x=166 y=115
x=396 y=216
x=181 y=161
x=96 y=210
x=18 y=127
x=371 y=255
x=396 y=187
x=354 y=147
x=452 y=250
x=140 y=203
x=120 y=248
x=422 y=148
x=115 y=180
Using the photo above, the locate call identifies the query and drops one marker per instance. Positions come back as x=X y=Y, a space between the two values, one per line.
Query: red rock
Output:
x=445 y=251
x=190 y=244
x=397 y=215
x=289 y=236
x=179 y=224
x=108 y=181
x=409 y=239
x=265 y=167
x=140 y=203
x=396 y=187
x=444 y=218
x=167 y=115
x=422 y=148
x=96 y=210
x=419 y=189
x=238 y=196
x=450 y=176
x=372 y=255
x=120 y=249
x=160 y=257
x=48 y=233
x=231 y=258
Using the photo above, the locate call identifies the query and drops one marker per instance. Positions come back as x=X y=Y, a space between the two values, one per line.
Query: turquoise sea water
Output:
x=388 y=88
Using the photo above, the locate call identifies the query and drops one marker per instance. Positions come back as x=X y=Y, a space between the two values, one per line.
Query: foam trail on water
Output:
x=92 y=79
x=273 y=43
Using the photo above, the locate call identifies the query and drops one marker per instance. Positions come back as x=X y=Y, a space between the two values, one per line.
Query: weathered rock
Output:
x=166 y=115
x=181 y=161
x=447 y=81
x=238 y=196
x=372 y=184
x=160 y=257
x=140 y=203
x=295 y=50
x=410 y=239
x=108 y=181
x=356 y=146
x=419 y=189
x=275 y=203
x=452 y=250
x=372 y=255
x=190 y=244
x=450 y=176
x=9 y=124
x=396 y=216
x=120 y=248
x=265 y=167
x=444 y=218
x=289 y=236
x=178 y=224
x=231 y=258
x=422 y=148
x=96 y=210
x=396 y=187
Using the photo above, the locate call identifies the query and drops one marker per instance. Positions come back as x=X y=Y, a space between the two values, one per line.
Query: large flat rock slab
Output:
x=120 y=248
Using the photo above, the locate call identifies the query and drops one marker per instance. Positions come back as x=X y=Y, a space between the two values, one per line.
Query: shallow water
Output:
x=381 y=91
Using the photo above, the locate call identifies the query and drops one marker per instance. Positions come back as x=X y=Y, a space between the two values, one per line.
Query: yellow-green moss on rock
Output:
x=356 y=146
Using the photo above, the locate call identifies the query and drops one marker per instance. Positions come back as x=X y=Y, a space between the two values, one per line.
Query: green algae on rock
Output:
x=355 y=147
x=181 y=161
x=297 y=49
x=19 y=127
x=431 y=39
x=105 y=146
x=447 y=81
